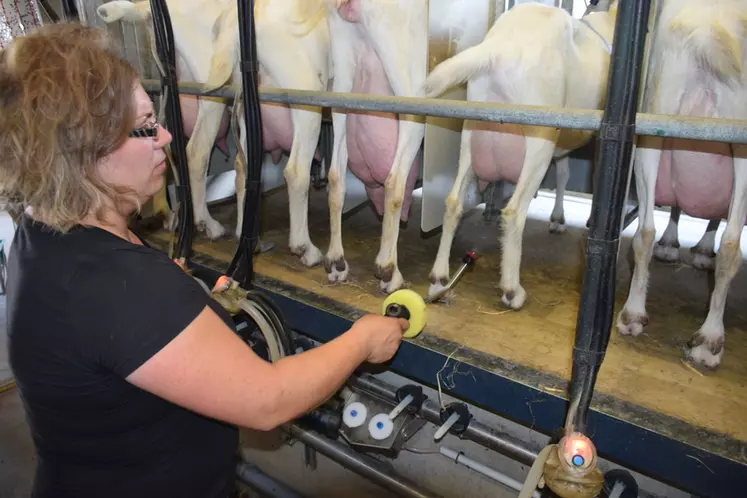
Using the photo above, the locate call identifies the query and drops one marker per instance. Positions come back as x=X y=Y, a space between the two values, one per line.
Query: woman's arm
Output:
x=210 y=370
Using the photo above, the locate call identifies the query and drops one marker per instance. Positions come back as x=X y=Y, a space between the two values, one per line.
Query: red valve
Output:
x=469 y=257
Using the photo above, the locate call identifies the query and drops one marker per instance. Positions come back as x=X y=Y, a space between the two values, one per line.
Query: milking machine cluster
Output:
x=369 y=415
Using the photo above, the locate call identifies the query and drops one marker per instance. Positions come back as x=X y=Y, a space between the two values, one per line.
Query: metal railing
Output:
x=660 y=125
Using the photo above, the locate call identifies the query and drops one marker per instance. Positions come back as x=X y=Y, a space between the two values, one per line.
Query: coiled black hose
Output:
x=164 y=36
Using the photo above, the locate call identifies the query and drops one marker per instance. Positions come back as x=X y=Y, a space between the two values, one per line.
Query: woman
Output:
x=132 y=378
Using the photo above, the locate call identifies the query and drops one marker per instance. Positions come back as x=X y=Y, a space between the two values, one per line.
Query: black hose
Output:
x=164 y=36
x=614 y=149
x=241 y=268
x=69 y=9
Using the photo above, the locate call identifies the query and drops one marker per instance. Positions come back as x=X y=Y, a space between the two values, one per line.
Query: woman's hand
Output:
x=381 y=335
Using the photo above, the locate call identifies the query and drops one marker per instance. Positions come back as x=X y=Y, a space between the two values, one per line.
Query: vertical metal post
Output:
x=614 y=150
x=241 y=268
x=164 y=36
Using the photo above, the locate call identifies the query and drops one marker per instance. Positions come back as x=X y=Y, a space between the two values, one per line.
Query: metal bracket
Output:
x=405 y=425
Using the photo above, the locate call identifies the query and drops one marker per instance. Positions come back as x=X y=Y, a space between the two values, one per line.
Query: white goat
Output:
x=532 y=55
x=293 y=51
x=378 y=48
x=697 y=68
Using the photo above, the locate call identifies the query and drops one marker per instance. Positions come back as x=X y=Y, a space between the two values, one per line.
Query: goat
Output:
x=378 y=48
x=532 y=55
x=697 y=68
x=293 y=52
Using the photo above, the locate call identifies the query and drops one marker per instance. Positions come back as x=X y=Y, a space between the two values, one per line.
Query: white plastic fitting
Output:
x=441 y=432
x=354 y=414
x=380 y=427
x=398 y=409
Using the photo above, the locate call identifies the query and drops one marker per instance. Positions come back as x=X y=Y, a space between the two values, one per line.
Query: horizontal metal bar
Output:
x=252 y=476
x=361 y=464
x=708 y=129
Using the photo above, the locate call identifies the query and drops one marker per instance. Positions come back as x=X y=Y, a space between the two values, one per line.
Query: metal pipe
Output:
x=615 y=148
x=460 y=458
x=360 y=464
x=476 y=431
x=708 y=129
x=251 y=475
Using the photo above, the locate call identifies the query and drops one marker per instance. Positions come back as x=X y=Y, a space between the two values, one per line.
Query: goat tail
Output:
x=457 y=69
x=713 y=46
x=124 y=10
x=226 y=50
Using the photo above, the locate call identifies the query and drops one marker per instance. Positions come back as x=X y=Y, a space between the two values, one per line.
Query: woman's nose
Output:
x=164 y=137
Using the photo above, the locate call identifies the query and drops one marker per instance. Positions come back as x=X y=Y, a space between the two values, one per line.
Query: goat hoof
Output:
x=337 y=269
x=212 y=229
x=631 y=323
x=395 y=283
x=557 y=227
x=705 y=351
x=703 y=259
x=667 y=253
x=514 y=299
x=309 y=254
x=437 y=286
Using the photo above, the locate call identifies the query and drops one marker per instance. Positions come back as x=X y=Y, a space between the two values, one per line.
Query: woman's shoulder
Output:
x=89 y=252
x=91 y=267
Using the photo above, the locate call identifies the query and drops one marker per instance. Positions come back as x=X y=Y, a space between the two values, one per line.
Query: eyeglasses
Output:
x=149 y=130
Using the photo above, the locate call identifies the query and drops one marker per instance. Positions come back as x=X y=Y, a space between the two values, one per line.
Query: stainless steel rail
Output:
x=708 y=129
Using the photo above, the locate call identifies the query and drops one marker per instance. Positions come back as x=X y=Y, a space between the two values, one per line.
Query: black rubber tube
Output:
x=241 y=268
x=614 y=149
x=164 y=36
x=69 y=9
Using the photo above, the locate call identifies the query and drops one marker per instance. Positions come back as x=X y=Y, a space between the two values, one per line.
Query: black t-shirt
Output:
x=86 y=309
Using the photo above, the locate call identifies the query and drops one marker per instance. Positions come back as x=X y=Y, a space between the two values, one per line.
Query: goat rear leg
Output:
x=563 y=173
x=706 y=346
x=539 y=150
x=454 y=205
x=343 y=56
x=400 y=37
x=633 y=318
x=199 y=148
x=306 y=125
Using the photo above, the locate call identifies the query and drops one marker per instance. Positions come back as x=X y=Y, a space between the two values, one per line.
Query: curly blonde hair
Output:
x=65 y=104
